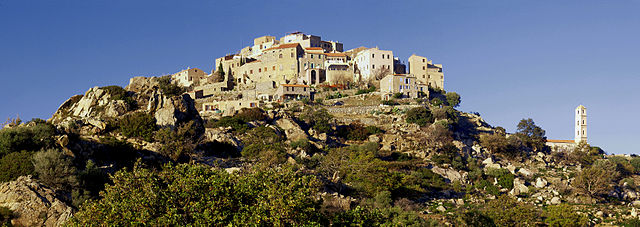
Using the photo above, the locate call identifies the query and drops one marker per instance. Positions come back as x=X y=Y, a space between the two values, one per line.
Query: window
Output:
x=583 y=122
x=373 y=55
x=291 y=54
x=578 y=132
x=312 y=56
x=274 y=68
x=265 y=69
x=260 y=70
x=251 y=71
x=422 y=67
x=373 y=66
x=280 y=55
x=583 y=132
x=423 y=61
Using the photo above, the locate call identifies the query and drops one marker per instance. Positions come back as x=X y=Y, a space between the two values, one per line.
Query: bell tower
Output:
x=581 y=124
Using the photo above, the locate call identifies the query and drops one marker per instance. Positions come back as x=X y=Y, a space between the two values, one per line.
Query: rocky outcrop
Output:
x=291 y=129
x=169 y=111
x=33 y=204
x=223 y=135
x=91 y=109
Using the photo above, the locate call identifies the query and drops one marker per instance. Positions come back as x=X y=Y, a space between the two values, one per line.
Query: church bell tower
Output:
x=581 y=124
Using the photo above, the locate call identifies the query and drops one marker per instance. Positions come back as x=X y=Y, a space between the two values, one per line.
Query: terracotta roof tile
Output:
x=294 y=85
x=284 y=46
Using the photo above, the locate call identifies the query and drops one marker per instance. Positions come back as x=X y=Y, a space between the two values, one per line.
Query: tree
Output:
x=55 y=169
x=419 y=115
x=501 y=145
x=506 y=211
x=453 y=99
x=178 y=143
x=532 y=135
x=220 y=69
x=168 y=88
x=596 y=180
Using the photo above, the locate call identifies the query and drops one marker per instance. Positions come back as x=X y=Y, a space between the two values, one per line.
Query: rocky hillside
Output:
x=346 y=160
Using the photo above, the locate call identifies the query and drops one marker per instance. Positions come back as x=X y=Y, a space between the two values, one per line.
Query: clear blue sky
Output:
x=508 y=59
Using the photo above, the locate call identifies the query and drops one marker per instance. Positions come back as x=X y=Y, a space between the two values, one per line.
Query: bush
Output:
x=138 y=125
x=318 y=119
x=55 y=169
x=238 y=125
x=419 y=115
x=302 y=144
x=353 y=131
x=16 y=164
x=179 y=143
x=359 y=216
x=5 y=216
x=504 y=177
x=29 y=138
x=264 y=144
x=365 y=91
x=251 y=114
x=198 y=195
x=398 y=95
x=498 y=144
x=169 y=89
x=506 y=211
x=564 y=215
x=118 y=93
x=389 y=102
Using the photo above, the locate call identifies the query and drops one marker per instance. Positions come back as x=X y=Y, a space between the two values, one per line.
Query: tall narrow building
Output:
x=581 y=124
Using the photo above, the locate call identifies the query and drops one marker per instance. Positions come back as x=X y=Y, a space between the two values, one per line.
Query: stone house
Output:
x=293 y=92
x=372 y=61
x=408 y=85
x=188 y=77
x=427 y=72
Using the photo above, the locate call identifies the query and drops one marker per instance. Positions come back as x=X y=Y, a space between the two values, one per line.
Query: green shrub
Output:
x=318 y=119
x=138 y=125
x=564 y=215
x=504 y=177
x=16 y=164
x=475 y=218
x=169 y=89
x=506 y=211
x=29 y=138
x=238 y=125
x=118 y=93
x=419 y=115
x=198 y=195
x=302 y=144
x=264 y=144
x=398 y=95
x=5 y=216
x=179 y=143
x=372 y=129
x=635 y=162
x=365 y=91
x=359 y=216
x=353 y=131
x=251 y=114
x=389 y=102
x=55 y=169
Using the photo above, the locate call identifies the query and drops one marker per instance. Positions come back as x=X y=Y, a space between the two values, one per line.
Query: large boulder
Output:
x=519 y=187
x=169 y=111
x=291 y=129
x=33 y=204
x=223 y=135
x=95 y=103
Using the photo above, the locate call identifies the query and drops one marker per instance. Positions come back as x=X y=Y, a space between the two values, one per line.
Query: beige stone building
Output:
x=293 y=92
x=408 y=85
x=279 y=64
x=427 y=72
x=188 y=77
x=372 y=62
x=229 y=107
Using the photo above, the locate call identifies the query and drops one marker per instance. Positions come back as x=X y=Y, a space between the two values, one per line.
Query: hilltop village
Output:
x=298 y=132
x=295 y=66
